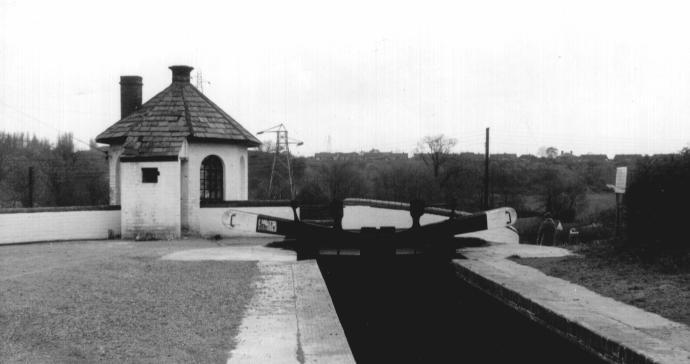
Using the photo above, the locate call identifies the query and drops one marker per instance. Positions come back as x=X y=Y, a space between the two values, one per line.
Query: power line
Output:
x=49 y=125
x=283 y=140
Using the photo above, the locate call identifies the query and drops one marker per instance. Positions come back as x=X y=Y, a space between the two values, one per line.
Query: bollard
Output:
x=573 y=235
x=294 y=204
x=416 y=211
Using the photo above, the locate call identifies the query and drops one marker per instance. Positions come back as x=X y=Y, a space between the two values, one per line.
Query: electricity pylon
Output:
x=200 y=81
x=282 y=144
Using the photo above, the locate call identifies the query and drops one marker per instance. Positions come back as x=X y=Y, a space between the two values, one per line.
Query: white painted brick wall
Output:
x=150 y=208
x=354 y=218
x=357 y=216
x=114 y=152
x=233 y=178
x=211 y=219
x=61 y=225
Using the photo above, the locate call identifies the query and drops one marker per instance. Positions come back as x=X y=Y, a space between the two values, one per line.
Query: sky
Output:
x=603 y=77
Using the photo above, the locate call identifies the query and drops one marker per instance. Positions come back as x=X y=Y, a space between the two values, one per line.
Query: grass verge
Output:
x=118 y=303
x=605 y=270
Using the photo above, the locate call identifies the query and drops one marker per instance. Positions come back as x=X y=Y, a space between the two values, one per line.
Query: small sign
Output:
x=621 y=179
x=264 y=225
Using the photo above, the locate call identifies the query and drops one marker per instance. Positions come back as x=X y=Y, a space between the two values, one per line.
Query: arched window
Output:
x=212 y=179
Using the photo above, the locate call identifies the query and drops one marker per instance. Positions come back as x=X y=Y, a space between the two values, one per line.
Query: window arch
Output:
x=212 y=179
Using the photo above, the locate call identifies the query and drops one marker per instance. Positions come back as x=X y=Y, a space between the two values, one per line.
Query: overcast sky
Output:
x=591 y=77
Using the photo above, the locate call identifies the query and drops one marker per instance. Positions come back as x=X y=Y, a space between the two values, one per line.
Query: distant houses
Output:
x=626 y=159
x=594 y=158
x=376 y=155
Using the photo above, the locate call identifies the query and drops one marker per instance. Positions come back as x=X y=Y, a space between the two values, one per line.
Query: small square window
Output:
x=149 y=175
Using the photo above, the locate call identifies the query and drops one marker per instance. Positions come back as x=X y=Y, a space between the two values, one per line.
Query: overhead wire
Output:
x=49 y=125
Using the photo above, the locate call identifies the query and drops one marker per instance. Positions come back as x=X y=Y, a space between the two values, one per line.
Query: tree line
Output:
x=37 y=173
x=559 y=183
x=63 y=176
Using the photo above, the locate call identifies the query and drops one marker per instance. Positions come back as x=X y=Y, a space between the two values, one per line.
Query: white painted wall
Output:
x=95 y=224
x=234 y=177
x=114 y=152
x=354 y=218
x=150 y=208
x=357 y=216
x=244 y=191
x=59 y=225
x=210 y=219
x=184 y=195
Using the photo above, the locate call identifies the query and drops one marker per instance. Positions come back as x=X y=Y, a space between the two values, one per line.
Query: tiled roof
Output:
x=160 y=126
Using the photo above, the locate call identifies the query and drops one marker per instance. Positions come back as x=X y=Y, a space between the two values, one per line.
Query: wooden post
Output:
x=416 y=211
x=486 y=173
x=336 y=208
x=618 y=209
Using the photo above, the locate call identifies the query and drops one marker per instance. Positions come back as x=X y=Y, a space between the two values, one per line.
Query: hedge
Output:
x=657 y=202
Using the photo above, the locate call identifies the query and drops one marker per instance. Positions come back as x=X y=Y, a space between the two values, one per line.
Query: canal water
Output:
x=418 y=311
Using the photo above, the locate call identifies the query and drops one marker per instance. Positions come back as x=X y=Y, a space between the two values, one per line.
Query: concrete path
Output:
x=503 y=235
x=291 y=319
x=235 y=252
x=616 y=331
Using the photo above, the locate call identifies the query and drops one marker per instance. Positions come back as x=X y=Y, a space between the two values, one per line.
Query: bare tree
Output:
x=267 y=146
x=548 y=152
x=341 y=179
x=551 y=152
x=435 y=150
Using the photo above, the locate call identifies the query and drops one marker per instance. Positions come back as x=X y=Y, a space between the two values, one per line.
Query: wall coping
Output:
x=24 y=210
x=391 y=205
x=394 y=205
x=245 y=203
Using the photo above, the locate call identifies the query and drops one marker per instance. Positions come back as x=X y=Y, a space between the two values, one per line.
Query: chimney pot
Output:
x=181 y=73
x=130 y=95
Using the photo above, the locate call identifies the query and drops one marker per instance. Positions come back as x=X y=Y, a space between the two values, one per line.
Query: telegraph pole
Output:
x=282 y=143
x=486 y=172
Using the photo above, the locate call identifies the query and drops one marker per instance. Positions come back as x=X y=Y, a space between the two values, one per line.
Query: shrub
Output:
x=656 y=203
x=527 y=228
x=599 y=225
x=562 y=191
x=590 y=233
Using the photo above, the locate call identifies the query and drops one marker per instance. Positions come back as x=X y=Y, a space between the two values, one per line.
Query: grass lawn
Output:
x=82 y=302
x=611 y=274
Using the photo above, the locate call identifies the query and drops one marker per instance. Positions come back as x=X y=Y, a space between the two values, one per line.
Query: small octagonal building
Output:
x=170 y=154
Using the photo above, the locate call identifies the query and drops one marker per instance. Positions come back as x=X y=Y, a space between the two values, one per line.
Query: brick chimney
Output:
x=181 y=73
x=130 y=95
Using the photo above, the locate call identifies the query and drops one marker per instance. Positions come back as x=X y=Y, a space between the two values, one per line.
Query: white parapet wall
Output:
x=210 y=219
x=354 y=218
x=49 y=224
